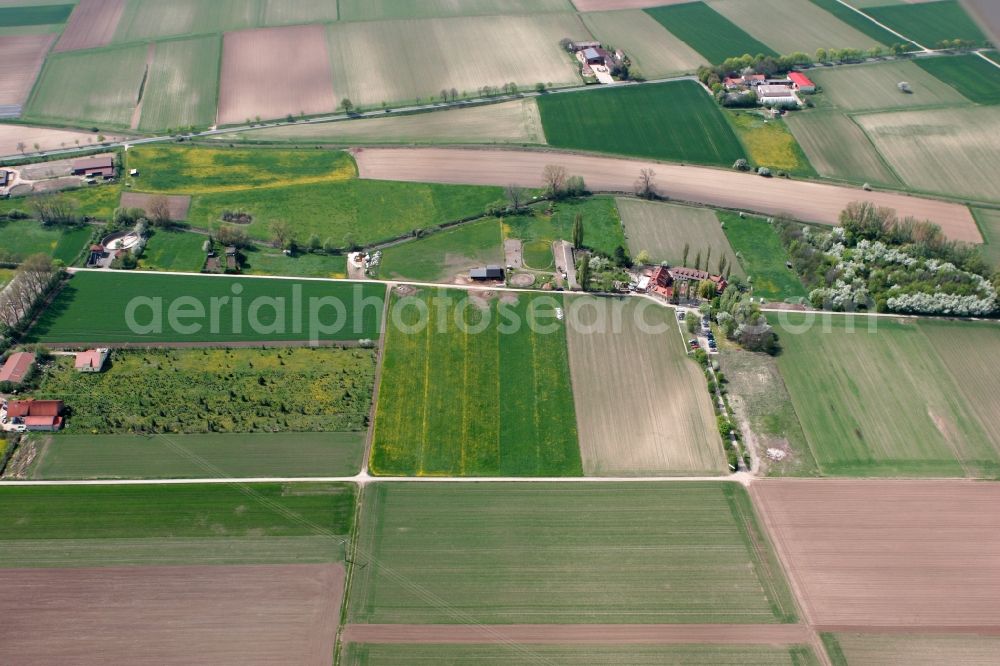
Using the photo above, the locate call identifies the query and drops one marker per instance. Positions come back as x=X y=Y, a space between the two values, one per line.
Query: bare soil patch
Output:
x=807 y=201
x=46 y=138
x=607 y=634
x=178 y=204
x=258 y=79
x=888 y=553
x=92 y=24
x=286 y=614
x=22 y=57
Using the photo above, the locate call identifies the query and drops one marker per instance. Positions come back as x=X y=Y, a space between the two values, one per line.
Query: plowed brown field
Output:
x=92 y=24
x=873 y=554
x=22 y=57
x=803 y=200
x=273 y=72
x=266 y=614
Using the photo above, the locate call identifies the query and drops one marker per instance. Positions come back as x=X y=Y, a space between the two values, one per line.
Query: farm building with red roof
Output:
x=802 y=82
x=36 y=414
x=17 y=367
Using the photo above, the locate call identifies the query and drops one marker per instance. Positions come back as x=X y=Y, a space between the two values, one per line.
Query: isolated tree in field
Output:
x=722 y=264
x=697 y=262
x=281 y=233
x=642 y=258
x=454 y=94
x=159 y=212
x=515 y=196
x=444 y=95
x=21 y=147
x=329 y=246
x=578 y=231
x=821 y=55
x=347 y=105
x=314 y=243
x=539 y=87
x=645 y=186
x=684 y=259
x=554 y=177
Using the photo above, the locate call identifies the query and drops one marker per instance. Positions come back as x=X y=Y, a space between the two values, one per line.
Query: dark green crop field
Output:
x=676 y=122
x=858 y=22
x=969 y=74
x=136 y=308
x=929 y=23
x=707 y=31
x=35 y=15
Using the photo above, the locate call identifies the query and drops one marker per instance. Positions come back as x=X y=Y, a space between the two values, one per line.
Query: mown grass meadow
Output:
x=471 y=394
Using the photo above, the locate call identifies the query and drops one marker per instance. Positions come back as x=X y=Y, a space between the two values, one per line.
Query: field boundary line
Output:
x=370 y=436
x=884 y=26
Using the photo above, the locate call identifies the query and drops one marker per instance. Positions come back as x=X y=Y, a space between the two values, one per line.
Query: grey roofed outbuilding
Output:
x=488 y=273
x=590 y=53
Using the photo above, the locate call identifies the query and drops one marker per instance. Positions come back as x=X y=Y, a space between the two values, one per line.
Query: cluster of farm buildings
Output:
x=772 y=91
x=40 y=415
x=597 y=61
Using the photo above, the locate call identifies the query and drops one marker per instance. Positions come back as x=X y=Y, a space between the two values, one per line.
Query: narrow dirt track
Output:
x=625 y=634
x=804 y=200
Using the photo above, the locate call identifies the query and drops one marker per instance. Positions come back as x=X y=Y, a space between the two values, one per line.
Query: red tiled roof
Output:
x=24 y=408
x=42 y=421
x=801 y=80
x=88 y=359
x=16 y=367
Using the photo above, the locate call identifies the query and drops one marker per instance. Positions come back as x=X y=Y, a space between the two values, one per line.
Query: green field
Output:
x=79 y=526
x=6 y=275
x=858 y=22
x=289 y=454
x=469 y=393
x=762 y=256
x=267 y=261
x=99 y=86
x=97 y=202
x=630 y=121
x=444 y=254
x=182 y=87
x=663 y=229
x=174 y=251
x=223 y=390
x=22 y=238
x=838 y=148
x=769 y=143
x=912 y=399
x=989 y=224
x=48 y=14
x=875 y=87
x=601 y=224
x=930 y=22
x=374 y=10
x=707 y=31
x=91 y=308
x=314 y=191
x=970 y=75
x=623 y=553
x=174 y=169
x=291 y=12
x=590 y=655
x=144 y=20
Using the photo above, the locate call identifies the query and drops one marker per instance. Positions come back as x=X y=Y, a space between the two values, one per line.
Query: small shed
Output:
x=5 y=177
x=92 y=360
x=487 y=273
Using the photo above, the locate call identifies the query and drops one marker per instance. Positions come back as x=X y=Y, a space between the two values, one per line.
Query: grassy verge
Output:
x=769 y=143
x=446 y=253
